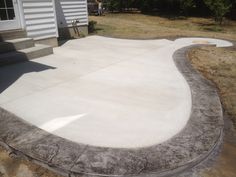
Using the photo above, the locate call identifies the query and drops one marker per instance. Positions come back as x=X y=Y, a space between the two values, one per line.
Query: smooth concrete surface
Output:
x=103 y=91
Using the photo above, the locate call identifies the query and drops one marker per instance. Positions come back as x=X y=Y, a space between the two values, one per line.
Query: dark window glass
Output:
x=9 y=3
x=11 y=14
x=2 y=4
x=3 y=14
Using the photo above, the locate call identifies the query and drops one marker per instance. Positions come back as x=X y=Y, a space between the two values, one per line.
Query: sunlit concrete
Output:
x=103 y=91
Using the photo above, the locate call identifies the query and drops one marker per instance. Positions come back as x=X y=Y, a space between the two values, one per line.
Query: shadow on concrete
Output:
x=10 y=55
x=9 y=70
x=10 y=74
x=63 y=41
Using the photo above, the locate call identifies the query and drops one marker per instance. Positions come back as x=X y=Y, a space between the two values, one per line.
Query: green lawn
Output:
x=141 y=26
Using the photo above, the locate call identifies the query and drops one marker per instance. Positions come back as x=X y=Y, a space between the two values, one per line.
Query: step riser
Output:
x=8 y=47
x=7 y=35
x=40 y=53
x=21 y=57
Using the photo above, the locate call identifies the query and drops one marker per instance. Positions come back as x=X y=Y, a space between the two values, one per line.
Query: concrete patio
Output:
x=129 y=96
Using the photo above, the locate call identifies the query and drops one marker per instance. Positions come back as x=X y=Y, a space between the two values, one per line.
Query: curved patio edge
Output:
x=202 y=134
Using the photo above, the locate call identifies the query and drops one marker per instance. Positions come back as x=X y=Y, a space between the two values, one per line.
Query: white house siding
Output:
x=40 y=18
x=69 y=10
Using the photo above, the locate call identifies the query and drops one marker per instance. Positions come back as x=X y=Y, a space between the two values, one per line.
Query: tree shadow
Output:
x=213 y=29
x=169 y=16
x=204 y=24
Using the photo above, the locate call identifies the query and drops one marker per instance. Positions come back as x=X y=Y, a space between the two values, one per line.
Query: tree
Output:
x=146 y=5
x=219 y=8
x=113 y=5
x=186 y=6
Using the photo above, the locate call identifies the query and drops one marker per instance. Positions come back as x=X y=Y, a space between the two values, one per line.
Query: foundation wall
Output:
x=73 y=32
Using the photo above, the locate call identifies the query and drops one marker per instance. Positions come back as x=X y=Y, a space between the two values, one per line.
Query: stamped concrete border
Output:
x=193 y=144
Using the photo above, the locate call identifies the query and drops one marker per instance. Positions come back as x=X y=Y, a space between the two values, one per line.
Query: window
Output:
x=6 y=10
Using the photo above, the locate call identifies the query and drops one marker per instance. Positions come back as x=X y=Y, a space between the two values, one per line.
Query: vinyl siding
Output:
x=69 y=10
x=40 y=18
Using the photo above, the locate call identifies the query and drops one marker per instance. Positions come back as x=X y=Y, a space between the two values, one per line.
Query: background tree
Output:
x=186 y=6
x=112 y=5
x=219 y=8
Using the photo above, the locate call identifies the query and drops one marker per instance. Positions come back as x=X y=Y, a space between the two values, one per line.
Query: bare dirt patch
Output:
x=16 y=167
x=219 y=65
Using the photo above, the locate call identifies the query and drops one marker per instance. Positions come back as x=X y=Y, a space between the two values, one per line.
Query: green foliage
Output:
x=113 y=5
x=146 y=5
x=186 y=6
x=170 y=6
x=91 y=26
x=219 y=8
x=176 y=7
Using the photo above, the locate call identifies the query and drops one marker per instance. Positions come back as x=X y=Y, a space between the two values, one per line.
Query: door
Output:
x=9 y=15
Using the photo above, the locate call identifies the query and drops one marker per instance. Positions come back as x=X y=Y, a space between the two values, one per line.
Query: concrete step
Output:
x=12 y=34
x=16 y=44
x=37 y=51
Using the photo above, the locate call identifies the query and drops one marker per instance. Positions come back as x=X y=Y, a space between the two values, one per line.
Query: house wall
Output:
x=44 y=18
x=40 y=19
x=69 y=10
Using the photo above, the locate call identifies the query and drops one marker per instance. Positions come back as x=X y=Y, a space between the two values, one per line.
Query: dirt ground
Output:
x=11 y=166
x=219 y=66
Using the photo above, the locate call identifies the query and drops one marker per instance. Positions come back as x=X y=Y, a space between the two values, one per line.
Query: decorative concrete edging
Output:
x=193 y=144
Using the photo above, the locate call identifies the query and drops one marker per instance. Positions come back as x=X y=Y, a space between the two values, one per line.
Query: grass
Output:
x=219 y=65
x=141 y=26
